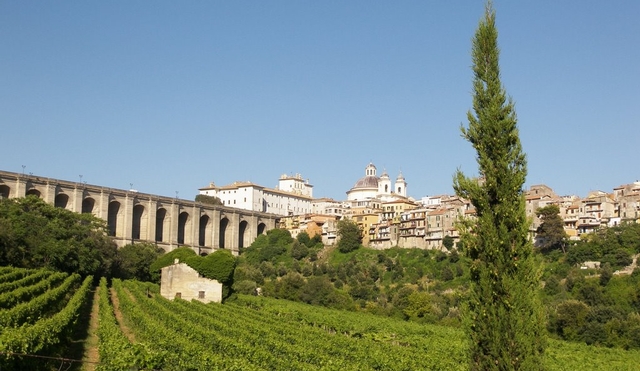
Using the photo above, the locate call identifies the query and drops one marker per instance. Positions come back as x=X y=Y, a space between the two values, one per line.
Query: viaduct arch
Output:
x=139 y=217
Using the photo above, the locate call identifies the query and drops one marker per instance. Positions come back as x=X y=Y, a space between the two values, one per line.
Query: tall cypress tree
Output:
x=503 y=315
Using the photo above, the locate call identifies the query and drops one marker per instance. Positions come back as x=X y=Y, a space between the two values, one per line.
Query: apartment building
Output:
x=628 y=201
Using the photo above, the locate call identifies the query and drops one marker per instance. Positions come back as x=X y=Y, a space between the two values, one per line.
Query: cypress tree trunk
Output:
x=503 y=316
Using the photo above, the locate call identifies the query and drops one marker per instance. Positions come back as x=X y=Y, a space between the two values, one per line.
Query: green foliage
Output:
x=271 y=247
x=36 y=234
x=571 y=318
x=418 y=306
x=299 y=250
x=245 y=272
x=614 y=245
x=550 y=235
x=246 y=287
x=279 y=237
x=210 y=200
x=317 y=291
x=447 y=274
x=181 y=253
x=350 y=236
x=260 y=241
x=135 y=260
x=505 y=320
x=303 y=238
x=218 y=266
x=289 y=286
x=447 y=242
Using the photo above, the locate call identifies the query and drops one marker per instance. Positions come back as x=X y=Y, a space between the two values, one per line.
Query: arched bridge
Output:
x=139 y=217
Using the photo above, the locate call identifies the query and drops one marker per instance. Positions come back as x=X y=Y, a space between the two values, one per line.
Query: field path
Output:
x=116 y=311
x=91 y=356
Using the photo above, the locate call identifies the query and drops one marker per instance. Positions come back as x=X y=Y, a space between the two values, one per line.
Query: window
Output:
x=200 y=294
x=178 y=295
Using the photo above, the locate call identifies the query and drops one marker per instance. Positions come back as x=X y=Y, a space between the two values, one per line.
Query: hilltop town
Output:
x=387 y=217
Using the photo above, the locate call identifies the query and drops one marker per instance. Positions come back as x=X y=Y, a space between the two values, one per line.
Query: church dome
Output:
x=368 y=181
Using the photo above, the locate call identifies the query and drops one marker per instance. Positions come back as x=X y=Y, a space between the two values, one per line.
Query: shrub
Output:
x=181 y=253
x=218 y=266
x=246 y=287
x=299 y=250
x=279 y=237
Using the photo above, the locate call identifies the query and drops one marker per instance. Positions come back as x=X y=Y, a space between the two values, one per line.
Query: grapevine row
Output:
x=11 y=298
x=25 y=281
x=180 y=352
x=253 y=348
x=6 y=269
x=13 y=274
x=116 y=352
x=47 y=331
x=304 y=347
x=28 y=312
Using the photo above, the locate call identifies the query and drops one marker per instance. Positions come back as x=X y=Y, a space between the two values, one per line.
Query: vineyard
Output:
x=138 y=329
x=39 y=309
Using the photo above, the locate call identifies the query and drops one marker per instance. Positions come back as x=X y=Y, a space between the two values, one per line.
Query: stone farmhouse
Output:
x=181 y=281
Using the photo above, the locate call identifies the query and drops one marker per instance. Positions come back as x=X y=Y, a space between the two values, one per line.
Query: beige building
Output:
x=365 y=222
x=628 y=201
x=314 y=224
x=328 y=206
x=412 y=228
x=181 y=281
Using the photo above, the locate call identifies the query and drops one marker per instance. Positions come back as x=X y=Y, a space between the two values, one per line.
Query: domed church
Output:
x=371 y=186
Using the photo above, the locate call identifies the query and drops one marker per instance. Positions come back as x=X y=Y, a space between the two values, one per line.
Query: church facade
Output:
x=370 y=186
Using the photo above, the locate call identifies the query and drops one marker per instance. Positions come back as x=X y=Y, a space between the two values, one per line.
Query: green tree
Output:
x=349 y=235
x=299 y=250
x=550 y=235
x=419 y=306
x=35 y=234
x=447 y=242
x=571 y=317
x=134 y=261
x=303 y=238
x=279 y=237
x=503 y=315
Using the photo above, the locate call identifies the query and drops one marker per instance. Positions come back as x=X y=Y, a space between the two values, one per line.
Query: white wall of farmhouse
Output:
x=181 y=281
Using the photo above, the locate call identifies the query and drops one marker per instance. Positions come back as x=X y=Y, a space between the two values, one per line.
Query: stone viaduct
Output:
x=139 y=217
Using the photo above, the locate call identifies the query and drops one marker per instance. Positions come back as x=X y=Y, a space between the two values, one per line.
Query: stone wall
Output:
x=180 y=280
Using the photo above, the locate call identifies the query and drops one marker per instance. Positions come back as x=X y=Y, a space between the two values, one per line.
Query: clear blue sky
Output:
x=172 y=95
